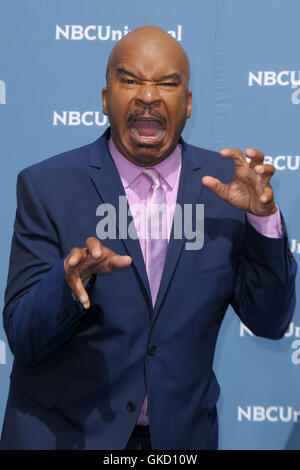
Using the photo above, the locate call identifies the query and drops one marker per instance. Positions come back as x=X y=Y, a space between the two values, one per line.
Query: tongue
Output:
x=147 y=128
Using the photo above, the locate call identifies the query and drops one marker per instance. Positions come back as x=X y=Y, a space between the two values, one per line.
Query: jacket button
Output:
x=62 y=317
x=152 y=350
x=131 y=407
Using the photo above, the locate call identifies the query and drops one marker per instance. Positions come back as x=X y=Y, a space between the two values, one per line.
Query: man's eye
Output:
x=169 y=84
x=128 y=81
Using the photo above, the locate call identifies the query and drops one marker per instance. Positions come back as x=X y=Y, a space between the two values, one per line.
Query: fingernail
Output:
x=82 y=299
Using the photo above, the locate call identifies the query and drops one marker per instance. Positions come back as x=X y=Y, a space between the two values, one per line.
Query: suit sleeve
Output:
x=40 y=314
x=264 y=296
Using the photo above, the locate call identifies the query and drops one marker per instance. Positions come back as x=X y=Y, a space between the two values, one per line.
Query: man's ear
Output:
x=189 y=104
x=104 y=101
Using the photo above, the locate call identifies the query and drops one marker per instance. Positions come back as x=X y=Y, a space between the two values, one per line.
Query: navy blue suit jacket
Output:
x=79 y=377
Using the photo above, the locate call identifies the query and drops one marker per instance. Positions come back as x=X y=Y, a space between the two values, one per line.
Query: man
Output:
x=114 y=342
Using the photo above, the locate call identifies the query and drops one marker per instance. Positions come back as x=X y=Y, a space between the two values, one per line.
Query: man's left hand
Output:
x=250 y=189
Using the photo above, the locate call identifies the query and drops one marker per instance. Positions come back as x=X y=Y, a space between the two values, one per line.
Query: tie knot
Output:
x=153 y=175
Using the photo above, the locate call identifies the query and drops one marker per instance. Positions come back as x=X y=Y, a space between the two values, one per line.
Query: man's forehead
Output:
x=151 y=50
x=154 y=62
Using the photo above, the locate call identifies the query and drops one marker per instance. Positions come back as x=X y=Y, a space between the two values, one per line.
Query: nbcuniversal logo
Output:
x=77 y=118
x=257 y=413
x=284 y=78
x=292 y=333
x=93 y=32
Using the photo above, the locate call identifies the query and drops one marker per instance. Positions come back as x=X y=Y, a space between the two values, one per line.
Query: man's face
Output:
x=147 y=100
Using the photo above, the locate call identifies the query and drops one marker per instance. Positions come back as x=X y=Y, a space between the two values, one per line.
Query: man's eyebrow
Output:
x=122 y=71
x=170 y=76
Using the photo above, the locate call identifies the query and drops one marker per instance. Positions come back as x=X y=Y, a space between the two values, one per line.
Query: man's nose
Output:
x=148 y=94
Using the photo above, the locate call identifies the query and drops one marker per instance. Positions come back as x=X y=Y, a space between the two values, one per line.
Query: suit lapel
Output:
x=108 y=184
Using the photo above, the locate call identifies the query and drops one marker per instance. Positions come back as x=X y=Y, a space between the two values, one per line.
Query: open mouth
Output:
x=146 y=130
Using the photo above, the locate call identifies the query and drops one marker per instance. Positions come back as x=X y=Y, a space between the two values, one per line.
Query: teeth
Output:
x=135 y=132
x=158 y=133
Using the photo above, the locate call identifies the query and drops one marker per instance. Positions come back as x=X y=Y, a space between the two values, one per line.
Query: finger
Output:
x=254 y=154
x=266 y=170
x=256 y=157
x=94 y=247
x=235 y=154
x=79 y=291
x=267 y=195
x=119 y=261
x=77 y=255
x=215 y=186
x=111 y=261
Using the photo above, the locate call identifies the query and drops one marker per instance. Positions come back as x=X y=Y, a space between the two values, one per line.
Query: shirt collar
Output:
x=128 y=171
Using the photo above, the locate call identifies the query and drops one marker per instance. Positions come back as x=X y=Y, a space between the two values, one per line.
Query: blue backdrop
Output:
x=246 y=93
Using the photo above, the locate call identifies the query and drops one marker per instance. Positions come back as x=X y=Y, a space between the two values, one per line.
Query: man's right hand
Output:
x=95 y=258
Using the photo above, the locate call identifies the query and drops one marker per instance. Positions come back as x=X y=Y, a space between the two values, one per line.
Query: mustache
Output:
x=150 y=114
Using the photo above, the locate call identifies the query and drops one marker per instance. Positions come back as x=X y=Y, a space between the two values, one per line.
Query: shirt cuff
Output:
x=269 y=226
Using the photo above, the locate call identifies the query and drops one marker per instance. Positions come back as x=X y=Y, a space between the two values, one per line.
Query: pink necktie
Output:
x=156 y=247
x=156 y=232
